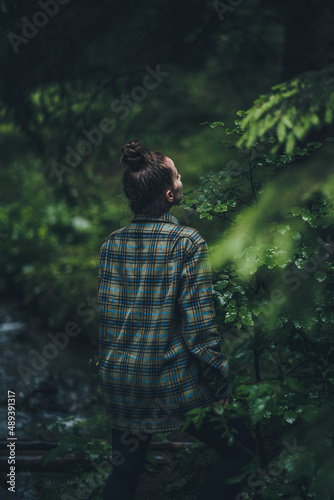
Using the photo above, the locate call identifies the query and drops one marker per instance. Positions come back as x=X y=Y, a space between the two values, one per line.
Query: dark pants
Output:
x=129 y=451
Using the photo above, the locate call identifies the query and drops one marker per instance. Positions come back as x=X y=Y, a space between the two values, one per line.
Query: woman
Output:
x=159 y=349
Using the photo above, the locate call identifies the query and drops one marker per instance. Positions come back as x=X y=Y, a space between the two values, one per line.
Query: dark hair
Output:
x=146 y=179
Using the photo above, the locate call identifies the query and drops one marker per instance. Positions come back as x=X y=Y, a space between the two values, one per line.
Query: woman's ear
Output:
x=169 y=196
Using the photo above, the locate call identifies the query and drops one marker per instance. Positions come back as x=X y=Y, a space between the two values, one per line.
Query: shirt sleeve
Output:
x=199 y=328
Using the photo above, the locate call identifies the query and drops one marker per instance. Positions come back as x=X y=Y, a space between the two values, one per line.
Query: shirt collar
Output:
x=154 y=218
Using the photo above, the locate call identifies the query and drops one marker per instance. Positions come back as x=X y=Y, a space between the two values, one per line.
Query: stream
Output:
x=59 y=386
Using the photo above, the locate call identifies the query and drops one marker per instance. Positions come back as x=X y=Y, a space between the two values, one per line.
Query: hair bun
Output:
x=135 y=156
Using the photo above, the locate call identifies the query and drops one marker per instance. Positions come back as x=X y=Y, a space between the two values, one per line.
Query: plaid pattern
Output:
x=159 y=349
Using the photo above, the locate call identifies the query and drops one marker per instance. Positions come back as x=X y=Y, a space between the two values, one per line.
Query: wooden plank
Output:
x=30 y=453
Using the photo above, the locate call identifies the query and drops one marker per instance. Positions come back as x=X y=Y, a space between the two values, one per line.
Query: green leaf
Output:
x=283 y=228
x=310 y=414
x=221 y=208
x=290 y=144
x=246 y=317
x=271 y=139
x=260 y=408
x=230 y=316
x=328 y=115
x=195 y=416
x=296 y=211
x=295 y=385
x=320 y=276
x=290 y=416
x=217 y=124
x=315 y=119
x=281 y=130
x=221 y=285
x=315 y=145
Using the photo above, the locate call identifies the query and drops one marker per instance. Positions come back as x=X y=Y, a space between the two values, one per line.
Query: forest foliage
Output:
x=273 y=295
x=259 y=186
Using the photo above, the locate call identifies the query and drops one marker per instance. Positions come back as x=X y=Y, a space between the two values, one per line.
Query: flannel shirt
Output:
x=159 y=349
